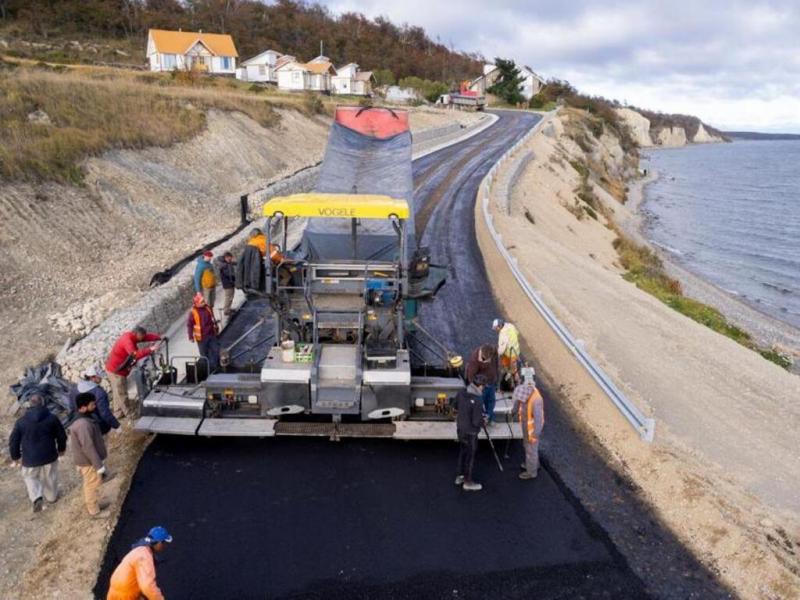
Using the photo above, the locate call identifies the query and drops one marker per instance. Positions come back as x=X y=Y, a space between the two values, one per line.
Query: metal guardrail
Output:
x=645 y=426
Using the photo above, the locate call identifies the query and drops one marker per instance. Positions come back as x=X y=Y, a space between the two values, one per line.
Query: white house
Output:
x=189 y=50
x=261 y=68
x=311 y=76
x=531 y=83
x=350 y=80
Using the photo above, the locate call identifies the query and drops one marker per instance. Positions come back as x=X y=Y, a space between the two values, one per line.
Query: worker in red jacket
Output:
x=122 y=358
x=202 y=327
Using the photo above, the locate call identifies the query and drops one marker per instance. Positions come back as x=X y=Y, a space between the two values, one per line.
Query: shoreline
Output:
x=766 y=330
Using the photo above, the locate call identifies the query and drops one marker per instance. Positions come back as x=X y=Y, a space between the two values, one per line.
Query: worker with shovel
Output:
x=529 y=406
x=135 y=576
x=469 y=421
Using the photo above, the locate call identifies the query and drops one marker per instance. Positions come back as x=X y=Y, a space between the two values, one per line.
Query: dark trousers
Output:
x=489 y=400
x=468 y=446
x=209 y=347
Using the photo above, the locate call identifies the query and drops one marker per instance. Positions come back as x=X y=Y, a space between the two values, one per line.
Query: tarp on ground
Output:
x=368 y=152
x=45 y=379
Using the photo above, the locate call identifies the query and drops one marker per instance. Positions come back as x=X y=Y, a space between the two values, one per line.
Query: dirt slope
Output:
x=724 y=468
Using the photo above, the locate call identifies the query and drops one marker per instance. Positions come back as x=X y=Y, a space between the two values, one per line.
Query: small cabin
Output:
x=191 y=51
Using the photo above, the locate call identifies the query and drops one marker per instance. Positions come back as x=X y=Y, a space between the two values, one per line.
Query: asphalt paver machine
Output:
x=347 y=356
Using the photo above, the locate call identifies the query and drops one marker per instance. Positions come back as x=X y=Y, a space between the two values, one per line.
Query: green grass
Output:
x=645 y=269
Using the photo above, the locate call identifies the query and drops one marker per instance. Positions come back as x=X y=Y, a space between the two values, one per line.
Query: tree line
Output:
x=290 y=26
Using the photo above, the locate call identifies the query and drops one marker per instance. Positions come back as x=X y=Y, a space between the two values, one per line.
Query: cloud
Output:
x=736 y=64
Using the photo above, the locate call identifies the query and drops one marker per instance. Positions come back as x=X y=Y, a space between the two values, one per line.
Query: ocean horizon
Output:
x=730 y=213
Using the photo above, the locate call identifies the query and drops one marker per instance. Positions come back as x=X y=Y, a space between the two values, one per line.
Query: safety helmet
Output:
x=198 y=299
x=498 y=324
x=528 y=374
x=158 y=534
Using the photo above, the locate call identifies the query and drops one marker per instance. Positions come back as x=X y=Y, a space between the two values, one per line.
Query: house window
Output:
x=262 y=69
x=226 y=63
x=296 y=76
x=169 y=61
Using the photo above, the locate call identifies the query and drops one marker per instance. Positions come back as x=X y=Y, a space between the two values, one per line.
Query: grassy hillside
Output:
x=52 y=117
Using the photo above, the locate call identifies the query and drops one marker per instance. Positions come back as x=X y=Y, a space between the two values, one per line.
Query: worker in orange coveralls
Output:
x=135 y=576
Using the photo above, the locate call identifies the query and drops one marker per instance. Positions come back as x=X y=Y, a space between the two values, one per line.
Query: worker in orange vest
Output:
x=135 y=576
x=529 y=406
x=202 y=328
x=259 y=240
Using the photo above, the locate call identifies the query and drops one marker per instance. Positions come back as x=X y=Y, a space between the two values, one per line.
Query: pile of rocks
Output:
x=79 y=319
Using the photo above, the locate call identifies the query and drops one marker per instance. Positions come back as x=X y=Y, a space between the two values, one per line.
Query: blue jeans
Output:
x=489 y=400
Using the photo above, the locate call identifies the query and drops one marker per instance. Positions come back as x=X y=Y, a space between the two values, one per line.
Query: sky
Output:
x=734 y=64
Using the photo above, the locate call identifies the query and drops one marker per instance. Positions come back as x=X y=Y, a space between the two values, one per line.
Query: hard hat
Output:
x=528 y=373
x=158 y=534
x=208 y=254
x=456 y=361
x=198 y=299
x=498 y=323
x=93 y=371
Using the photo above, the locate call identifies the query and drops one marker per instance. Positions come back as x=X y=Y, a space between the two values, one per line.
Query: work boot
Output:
x=38 y=505
x=527 y=475
x=107 y=477
x=471 y=486
x=459 y=480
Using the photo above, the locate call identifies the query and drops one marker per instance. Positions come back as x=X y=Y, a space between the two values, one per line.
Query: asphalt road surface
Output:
x=308 y=518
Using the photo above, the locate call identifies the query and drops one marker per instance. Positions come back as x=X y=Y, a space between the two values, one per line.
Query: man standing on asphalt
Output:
x=122 y=358
x=202 y=328
x=469 y=421
x=227 y=274
x=483 y=361
x=508 y=349
x=90 y=382
x=205 y=280
x=39 y=439
x=88 y=452
x=529 y=406
x=135 y=576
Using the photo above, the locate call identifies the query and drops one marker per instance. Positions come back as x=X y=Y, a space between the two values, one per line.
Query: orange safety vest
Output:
x=530 y=421
x=260 y=242
x=197 y=330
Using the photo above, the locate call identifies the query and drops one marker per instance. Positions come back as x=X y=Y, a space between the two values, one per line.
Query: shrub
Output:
x=313 y=104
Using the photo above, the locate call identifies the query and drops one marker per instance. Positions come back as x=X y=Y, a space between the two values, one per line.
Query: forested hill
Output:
x=292 y=27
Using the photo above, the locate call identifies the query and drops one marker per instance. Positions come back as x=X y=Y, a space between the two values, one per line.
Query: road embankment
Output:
x=722 y=471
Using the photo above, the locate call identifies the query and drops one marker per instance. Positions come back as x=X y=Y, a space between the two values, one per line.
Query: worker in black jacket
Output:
x=469 y=421
x=38 y=439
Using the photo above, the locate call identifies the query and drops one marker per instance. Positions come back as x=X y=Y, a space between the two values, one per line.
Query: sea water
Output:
x=730 y=213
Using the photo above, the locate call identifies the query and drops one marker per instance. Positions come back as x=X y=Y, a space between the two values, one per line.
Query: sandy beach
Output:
x=724 y=466
x=766 y=330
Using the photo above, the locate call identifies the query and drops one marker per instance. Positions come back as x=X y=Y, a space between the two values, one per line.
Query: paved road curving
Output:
x=306 y=518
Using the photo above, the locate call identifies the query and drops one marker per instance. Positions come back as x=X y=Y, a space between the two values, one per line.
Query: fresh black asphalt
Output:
x=308 y=518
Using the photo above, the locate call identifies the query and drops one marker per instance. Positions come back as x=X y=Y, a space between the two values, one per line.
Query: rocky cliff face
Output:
x=647 y=134
x=671 y=137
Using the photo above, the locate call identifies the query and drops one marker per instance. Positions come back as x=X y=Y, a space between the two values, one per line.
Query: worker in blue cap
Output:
x=135 y=577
